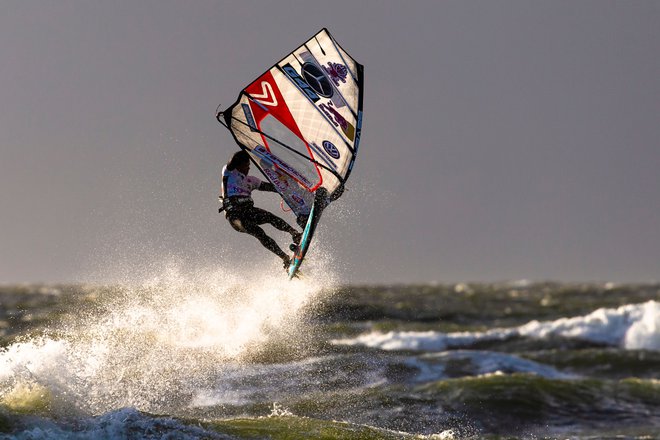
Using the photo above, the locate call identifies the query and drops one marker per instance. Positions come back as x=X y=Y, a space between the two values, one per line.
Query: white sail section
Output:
x=301 y=121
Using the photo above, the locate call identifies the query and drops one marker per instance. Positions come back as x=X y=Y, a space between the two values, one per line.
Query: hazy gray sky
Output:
x=502 y=139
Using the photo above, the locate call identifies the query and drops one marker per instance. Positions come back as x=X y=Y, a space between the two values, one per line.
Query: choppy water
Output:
x=216 y=355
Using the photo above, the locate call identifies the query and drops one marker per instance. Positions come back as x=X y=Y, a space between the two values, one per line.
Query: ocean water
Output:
x=219 y=355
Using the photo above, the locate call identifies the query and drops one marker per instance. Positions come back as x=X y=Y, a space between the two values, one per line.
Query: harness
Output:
x=234 y=202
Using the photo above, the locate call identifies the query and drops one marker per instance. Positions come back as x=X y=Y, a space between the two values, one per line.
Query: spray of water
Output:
x=154 y=345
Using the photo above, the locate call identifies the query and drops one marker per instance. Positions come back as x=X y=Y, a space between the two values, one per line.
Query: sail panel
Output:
x=301 y=120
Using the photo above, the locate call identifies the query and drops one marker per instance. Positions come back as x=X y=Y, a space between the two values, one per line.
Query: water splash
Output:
x=154 y=345
x=279 y=411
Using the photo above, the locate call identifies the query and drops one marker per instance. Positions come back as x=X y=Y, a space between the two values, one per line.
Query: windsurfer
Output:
x=239 y=207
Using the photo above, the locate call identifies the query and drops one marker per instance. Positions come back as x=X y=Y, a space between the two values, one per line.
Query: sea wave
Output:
x=633 y=326
x=130 y=424
x=211 y=353
x=125 y=423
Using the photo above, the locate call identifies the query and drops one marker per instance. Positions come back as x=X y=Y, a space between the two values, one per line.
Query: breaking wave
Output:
x=633 y=326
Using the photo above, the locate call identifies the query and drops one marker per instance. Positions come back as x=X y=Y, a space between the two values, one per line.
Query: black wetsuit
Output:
x=245 y=217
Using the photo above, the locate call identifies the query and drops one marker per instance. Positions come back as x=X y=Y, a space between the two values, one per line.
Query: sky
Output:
x=502 y=140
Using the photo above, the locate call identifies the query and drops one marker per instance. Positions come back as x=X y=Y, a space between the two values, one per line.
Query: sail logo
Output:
x=323 y=155
x=330 y=148
x=267 y=96
x=300 y=82
x=285 y=167
x=359 y=130
x=248 y=117
x=337 y=72
x=278 y=180
x=338 y=120
x=317 y=80
x=299 y=200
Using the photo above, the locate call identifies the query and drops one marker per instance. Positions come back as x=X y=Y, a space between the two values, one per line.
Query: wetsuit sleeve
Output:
x=267 y=186
x=225 y=183
x=223 y=190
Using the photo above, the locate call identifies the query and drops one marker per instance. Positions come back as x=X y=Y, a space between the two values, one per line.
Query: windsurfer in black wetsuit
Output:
x=239 y=207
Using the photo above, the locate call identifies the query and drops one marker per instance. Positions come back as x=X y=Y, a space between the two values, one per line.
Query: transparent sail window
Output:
x=276 y=130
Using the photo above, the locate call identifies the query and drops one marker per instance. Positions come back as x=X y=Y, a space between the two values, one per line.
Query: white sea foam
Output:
x=633 y=326
x=421 y=341
x=645 y=331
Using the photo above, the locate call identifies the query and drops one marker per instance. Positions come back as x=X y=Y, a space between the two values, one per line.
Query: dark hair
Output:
x=240 y=157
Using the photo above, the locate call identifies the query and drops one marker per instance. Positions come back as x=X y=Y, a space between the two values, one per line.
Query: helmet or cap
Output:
x=240 y=157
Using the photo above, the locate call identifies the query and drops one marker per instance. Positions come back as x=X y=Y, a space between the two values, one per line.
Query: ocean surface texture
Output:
x=212 y=356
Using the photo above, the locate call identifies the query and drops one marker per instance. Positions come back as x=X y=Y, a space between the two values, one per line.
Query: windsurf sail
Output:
x=301 y=122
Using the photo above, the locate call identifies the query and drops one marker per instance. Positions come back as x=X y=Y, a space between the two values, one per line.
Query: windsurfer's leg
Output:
x=246 y=221
x=261 y=216
x=264 y=239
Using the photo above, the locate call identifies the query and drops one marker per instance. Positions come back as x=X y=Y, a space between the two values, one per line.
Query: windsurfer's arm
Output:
x=267 y=186
x=225 y=180
x=224 y=200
